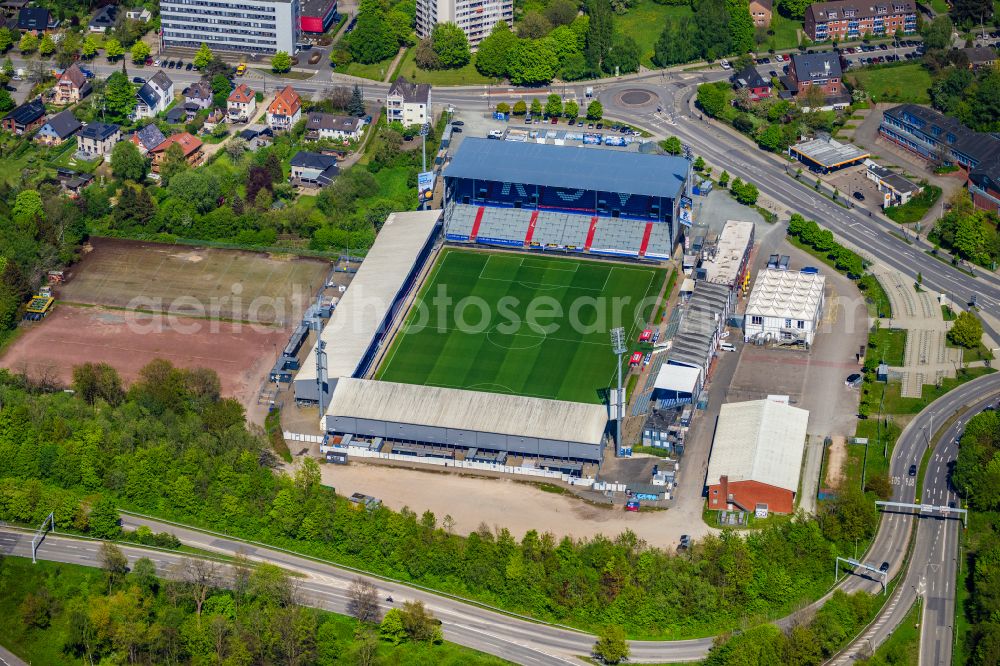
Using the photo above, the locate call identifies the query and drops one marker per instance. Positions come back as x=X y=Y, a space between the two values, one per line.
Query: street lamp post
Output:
x=618 y=348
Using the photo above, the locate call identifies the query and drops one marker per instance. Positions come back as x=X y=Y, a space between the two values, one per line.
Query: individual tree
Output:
x=793 y=9
x=554 y=105
x=356 y=107
x=391 y=628
x=119 y=96
x=937 y=33
x=494 y=52
x=713 y=98
x=611 y=646
x=533 y=26
x=572 y=109
x=6 y=39
x=173 y=163
x=143 y=574
x=103 y=520
x=363 y=601
x=203 y=56
x=741 y=26
x=532 y=62
x=624 y=55
x=419 y=623
x=425 y=56
x=966 y=331
x=673 y=146
x=46 y=46
x=520 y=108
x=880 y=485
x=127 y=163
x=971 y=12
x=221 y=88
x=599 y=33
x=561 y=12
x=698 y=164
x=140 y=51
x=724 y=178
x=450 y=45
x=114 y=563
x=199 y=577
x=503 y=107
x=93 y=381
x=28 y=43
x=135 y=206
x=371 y=40
x=536 y=107
x=711 y=33
x=113 y=49
x=564 y=43
x=281 y=62
x=89 y=48
x=200 y=188
x=28 y=210
x=595 y=110
x=6 y=101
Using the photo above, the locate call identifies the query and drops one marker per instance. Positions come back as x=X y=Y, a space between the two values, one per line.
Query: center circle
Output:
x=636 y=97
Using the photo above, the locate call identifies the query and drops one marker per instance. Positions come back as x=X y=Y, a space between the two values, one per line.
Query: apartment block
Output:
x=845 y=20
x=476 y=18
x=263 y=26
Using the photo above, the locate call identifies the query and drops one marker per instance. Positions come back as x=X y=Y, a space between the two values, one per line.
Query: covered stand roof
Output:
x=371 y=293
x=478 y=411
x=573 y=167
x=760 y=440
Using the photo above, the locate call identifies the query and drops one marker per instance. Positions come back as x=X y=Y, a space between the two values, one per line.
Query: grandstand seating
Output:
x=516 y=227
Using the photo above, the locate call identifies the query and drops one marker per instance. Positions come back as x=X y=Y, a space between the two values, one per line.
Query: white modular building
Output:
x=260 y=26
x=785 y=307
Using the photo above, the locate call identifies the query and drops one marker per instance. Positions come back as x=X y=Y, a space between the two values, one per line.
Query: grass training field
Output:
x=521 y=324
x=899 y=83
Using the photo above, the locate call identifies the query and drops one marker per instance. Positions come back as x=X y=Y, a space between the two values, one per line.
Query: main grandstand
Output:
x=577 y=199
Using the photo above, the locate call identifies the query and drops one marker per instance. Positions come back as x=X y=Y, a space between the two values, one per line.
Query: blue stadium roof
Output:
x=570 y=167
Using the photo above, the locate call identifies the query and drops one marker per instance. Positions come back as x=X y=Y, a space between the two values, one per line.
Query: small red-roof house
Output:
x=285 y=110
x=190 y=144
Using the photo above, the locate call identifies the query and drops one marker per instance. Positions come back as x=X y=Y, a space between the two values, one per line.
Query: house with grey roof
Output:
x=198 y=94
x=154 y=96
x=329 y=126
x=98 y=139
x=103 y=19
x=408 y=103
x=147 y=138
x=313 y=169
x=58 y=128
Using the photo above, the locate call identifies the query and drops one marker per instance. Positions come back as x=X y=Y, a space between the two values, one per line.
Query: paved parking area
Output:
x=852 y=180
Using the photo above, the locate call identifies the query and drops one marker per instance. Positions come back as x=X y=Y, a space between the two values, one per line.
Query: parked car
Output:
x=138 y=79
x=632 y=505
x=458 y=123
x=853 y=380
x=555 y=120
x=179 y=63
x=859 y=195
x=189 y=66
x=149 y=60
x=725 y=64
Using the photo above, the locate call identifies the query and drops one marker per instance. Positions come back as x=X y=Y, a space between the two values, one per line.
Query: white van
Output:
x=727 y=346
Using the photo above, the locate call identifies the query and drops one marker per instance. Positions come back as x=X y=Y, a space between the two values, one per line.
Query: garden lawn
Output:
x=889 y=345
x=376 y=71
x=786 y=33
x=903 y=83
x=516 y=348
x=644 y=23
x=915 y=209
x=467 y=75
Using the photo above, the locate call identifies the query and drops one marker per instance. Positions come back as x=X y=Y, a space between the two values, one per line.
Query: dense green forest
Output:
x=170 y=446
x=977 y=479
x=66 y=614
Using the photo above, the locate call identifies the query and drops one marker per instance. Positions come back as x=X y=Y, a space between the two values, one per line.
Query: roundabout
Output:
x=636 y=98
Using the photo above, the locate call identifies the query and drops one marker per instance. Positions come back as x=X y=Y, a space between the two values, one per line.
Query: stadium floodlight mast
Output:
x=618 y=348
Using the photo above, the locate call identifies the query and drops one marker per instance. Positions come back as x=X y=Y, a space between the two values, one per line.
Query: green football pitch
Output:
x=521 y=324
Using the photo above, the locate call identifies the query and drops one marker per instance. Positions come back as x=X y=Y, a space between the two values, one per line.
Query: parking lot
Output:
x=853 y=180
x=855 y=56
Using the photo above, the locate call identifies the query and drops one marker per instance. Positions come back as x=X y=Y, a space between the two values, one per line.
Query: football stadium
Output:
x=486 y=339
x=479 y=347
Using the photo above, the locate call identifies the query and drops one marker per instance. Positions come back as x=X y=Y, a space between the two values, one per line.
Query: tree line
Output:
x=171 y=446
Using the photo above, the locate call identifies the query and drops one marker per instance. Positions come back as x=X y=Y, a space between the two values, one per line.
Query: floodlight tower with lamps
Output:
x=618 y=348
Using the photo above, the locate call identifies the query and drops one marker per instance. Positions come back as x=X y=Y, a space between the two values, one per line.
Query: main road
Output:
x=526 y=642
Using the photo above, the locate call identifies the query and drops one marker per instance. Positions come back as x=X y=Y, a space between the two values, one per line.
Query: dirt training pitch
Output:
x=48 y=350
x=200 y=282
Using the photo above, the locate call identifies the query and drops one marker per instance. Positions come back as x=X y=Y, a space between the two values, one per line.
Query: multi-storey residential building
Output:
x=329 y=126
x=938 y=138
x=241 y=104
x=71 y=86
x=264 y=26
x=476 y=18
x=408 y=103
x=761 y=12
x=154 y=96
x=810 y=71
x=98 y=139
x=285 y=110
x=844 y=20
